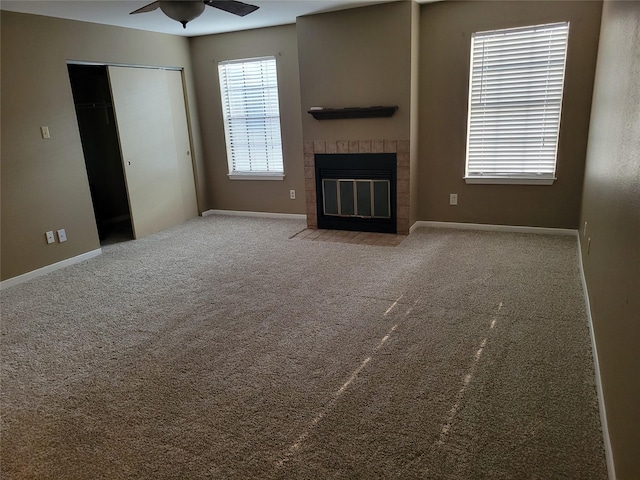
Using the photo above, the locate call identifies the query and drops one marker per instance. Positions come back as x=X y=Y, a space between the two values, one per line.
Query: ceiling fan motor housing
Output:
x=182 y=10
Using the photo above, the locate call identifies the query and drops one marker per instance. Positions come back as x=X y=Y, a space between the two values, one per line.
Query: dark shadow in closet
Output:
x=99 y=135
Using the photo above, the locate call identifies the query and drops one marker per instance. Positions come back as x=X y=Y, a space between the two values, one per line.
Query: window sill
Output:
x=256 y=176
x=509 y=180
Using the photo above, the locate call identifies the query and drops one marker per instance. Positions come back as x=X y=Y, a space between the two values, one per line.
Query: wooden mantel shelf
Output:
x=353 y=112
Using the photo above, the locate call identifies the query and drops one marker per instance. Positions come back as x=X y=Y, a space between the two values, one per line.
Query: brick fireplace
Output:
x=398 y=147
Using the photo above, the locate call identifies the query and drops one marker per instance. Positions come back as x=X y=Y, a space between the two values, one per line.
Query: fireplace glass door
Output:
x=362 y=198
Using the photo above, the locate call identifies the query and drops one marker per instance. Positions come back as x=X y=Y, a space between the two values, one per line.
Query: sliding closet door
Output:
x=155 y=173
x=183 y=144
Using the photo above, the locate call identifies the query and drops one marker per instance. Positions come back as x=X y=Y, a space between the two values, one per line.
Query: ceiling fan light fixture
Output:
x=182 y=11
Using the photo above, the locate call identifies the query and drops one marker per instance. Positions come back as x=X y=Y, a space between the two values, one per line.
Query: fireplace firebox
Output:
x=356 y=191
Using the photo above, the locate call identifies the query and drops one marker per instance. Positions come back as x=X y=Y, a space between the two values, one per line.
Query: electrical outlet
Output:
x=292 y=194
x=44 y=131
x=62 y=235
x=453 y=199
x=50 y=238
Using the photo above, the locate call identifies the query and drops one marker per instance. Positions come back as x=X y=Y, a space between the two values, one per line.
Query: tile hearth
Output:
x=354 y=238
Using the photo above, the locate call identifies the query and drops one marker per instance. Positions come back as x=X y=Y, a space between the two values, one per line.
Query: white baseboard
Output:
x=493 y=228
x=601 y=404
x=48 y=269
x=241 y=213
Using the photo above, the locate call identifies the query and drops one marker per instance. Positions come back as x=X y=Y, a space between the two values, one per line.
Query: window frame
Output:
x=276 y=152
x=544 y=176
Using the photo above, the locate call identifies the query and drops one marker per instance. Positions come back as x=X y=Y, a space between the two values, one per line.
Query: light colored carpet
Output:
x=225 y=349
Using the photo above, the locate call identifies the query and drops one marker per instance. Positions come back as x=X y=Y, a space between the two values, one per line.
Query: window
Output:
x=515 y=99
x=249 y=90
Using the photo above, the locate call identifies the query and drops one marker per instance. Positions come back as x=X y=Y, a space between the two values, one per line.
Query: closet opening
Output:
x=101 y=147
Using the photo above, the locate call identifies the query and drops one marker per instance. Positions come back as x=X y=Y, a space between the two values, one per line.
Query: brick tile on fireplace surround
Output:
x=399 y=147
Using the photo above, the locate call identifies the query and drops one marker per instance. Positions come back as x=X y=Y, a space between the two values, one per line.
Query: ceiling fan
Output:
x=184 y=11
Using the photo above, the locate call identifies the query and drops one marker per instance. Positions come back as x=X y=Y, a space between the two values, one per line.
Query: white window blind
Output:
x=515 y=100
x=249 y=90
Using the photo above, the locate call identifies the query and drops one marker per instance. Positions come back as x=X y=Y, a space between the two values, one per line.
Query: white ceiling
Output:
x=116 y=12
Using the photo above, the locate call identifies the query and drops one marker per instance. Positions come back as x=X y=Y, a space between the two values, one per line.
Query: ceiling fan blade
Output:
x=232 y=6
x=147 y=8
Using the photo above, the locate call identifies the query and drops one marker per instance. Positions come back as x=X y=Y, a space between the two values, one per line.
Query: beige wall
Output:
x=611 y=208
x=414 y=128
x=44 y=182
x=360 y=58
x=446 y=29
x=251 y=195
x=356 y=58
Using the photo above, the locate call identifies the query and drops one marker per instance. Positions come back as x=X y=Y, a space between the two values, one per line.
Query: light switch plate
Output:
x=62 y=235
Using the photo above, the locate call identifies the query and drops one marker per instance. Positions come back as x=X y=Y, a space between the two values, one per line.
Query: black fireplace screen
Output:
x=356 y=191
x=356 y=198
